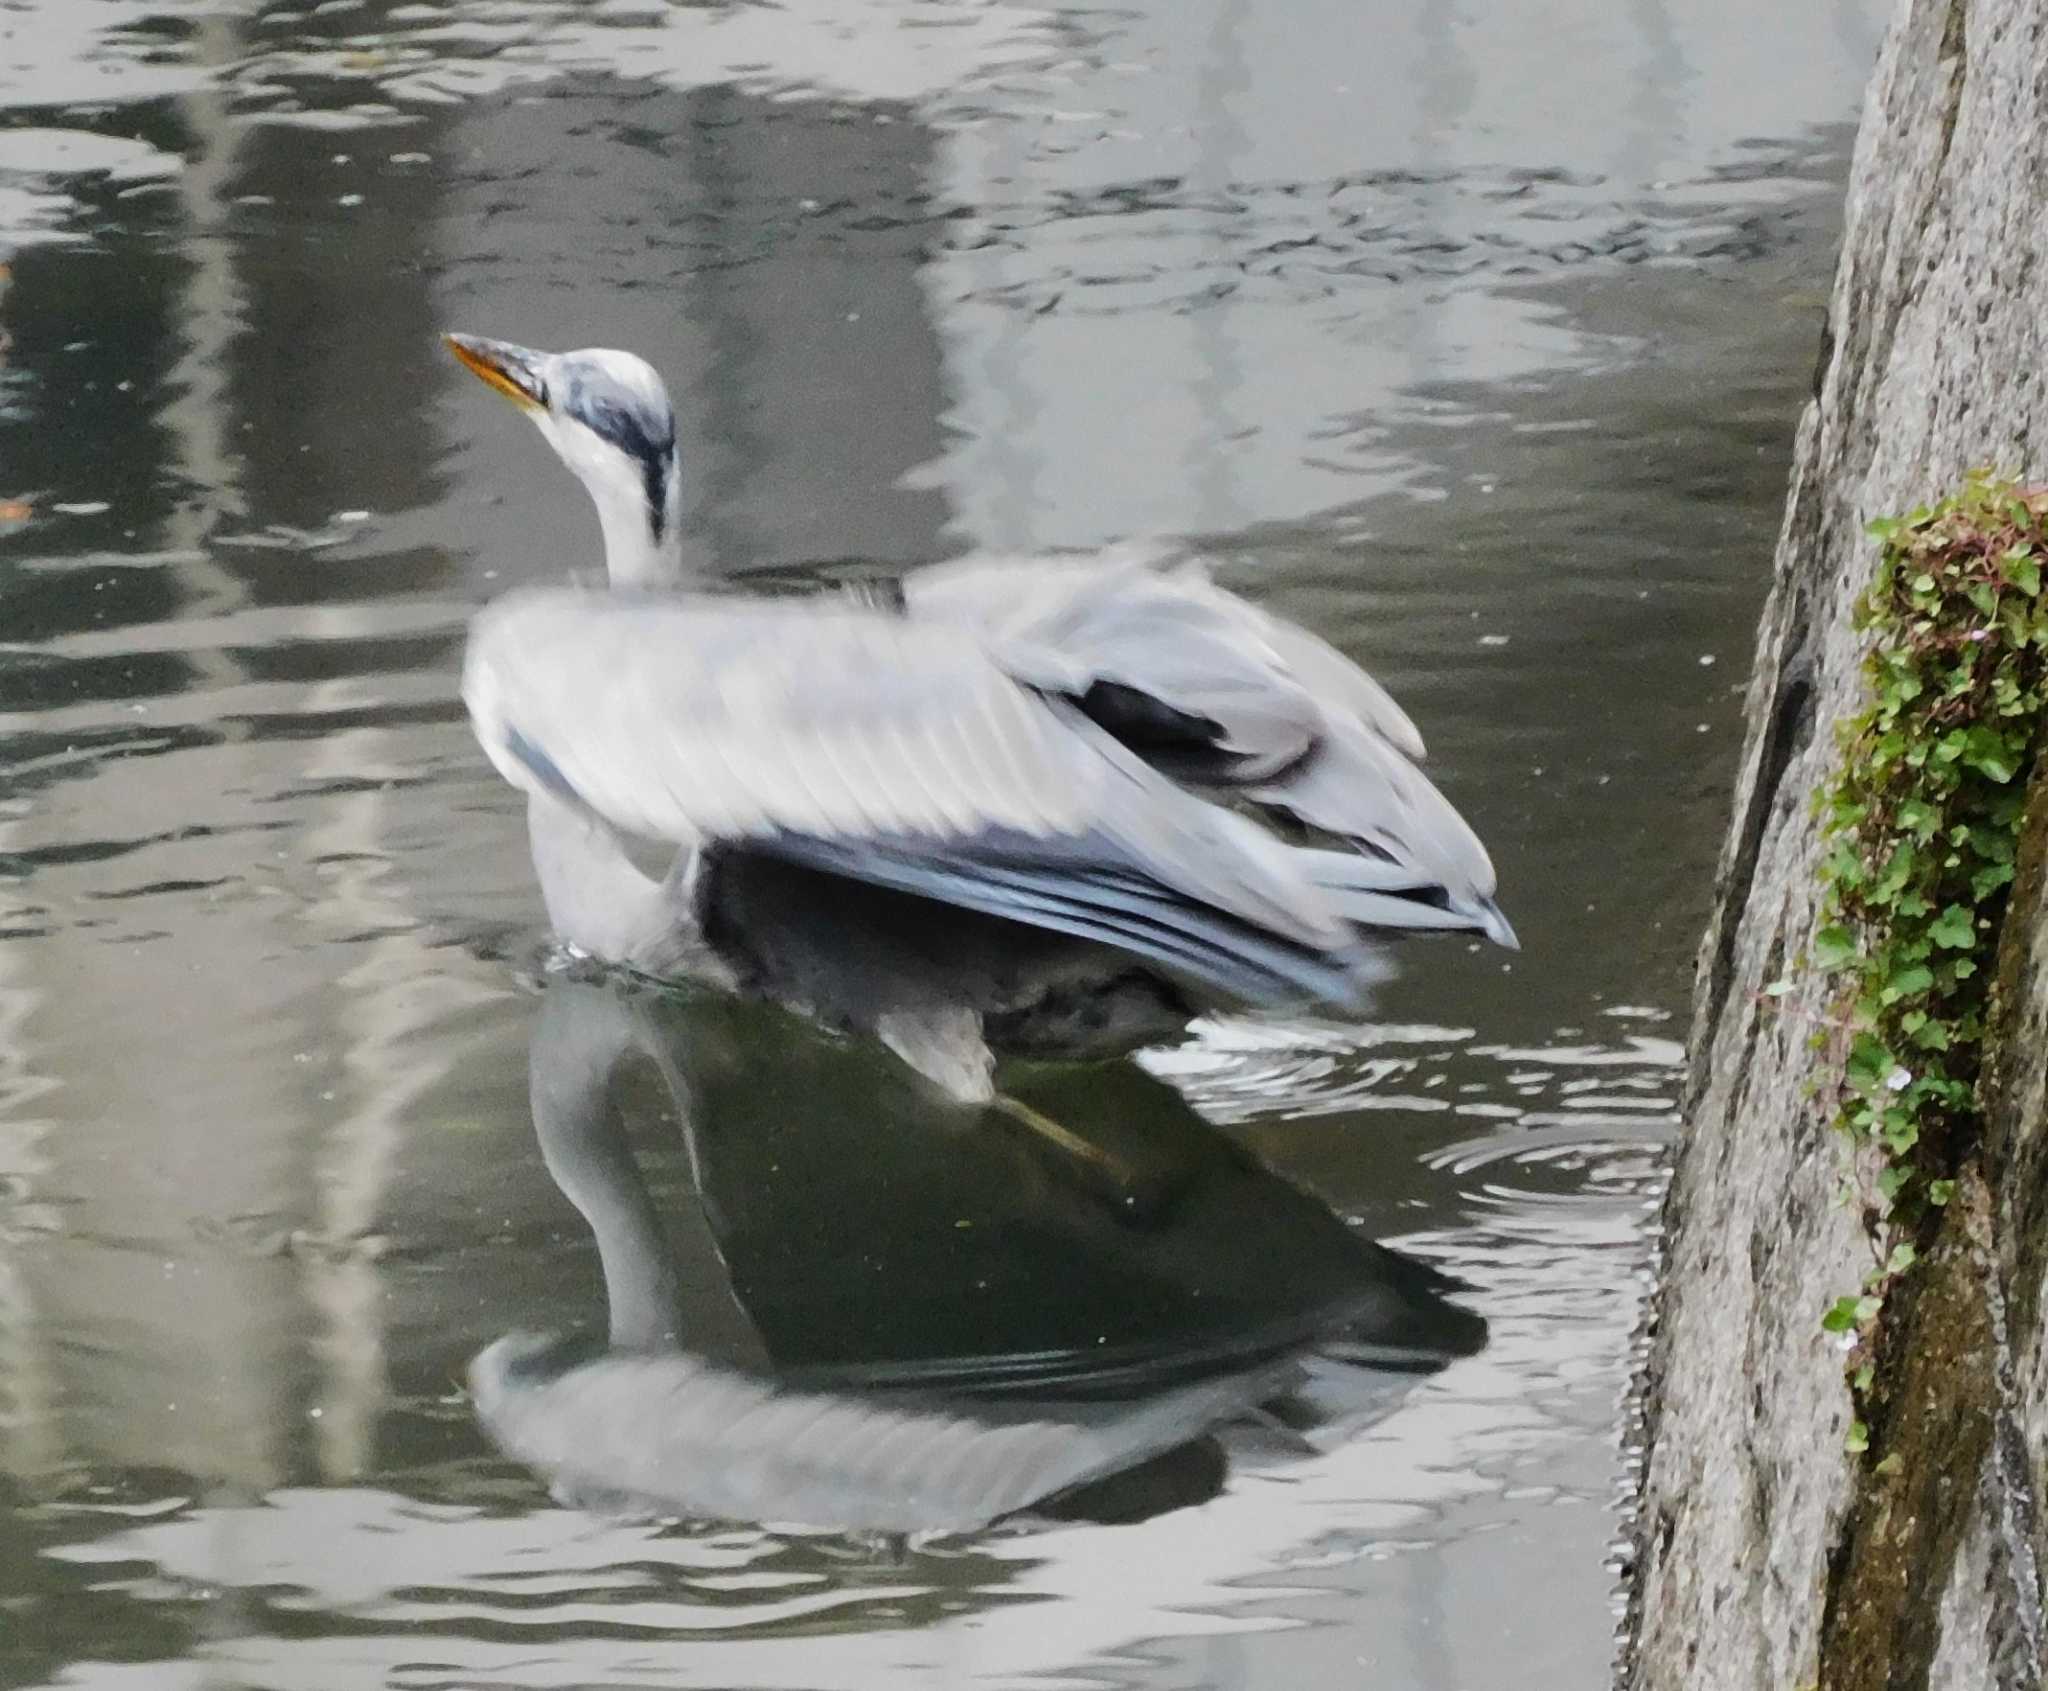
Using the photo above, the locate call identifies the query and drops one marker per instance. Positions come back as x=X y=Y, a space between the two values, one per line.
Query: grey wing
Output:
x=828 y=734
x=1159 y=655
x=1013 y=595
x=1217 y=692
x=689 y=718
x=1341 y=686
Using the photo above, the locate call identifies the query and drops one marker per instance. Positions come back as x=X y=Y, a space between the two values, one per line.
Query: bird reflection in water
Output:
x=838 y=1302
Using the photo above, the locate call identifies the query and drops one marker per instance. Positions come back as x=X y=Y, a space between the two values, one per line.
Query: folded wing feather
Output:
x=1243 y=702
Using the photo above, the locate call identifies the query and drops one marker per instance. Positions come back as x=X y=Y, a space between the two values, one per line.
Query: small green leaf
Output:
x=1891 y=1465
x=1931 y=1036
x=1909 y=982
x=1858 y=1440
x=1939 y=1192
x=1833 y=947
x=1989 y=753
x=1902 y=1258
x=1841 y=1316
x=1953 y=928
x=1988 y=880
x=1870 y=1062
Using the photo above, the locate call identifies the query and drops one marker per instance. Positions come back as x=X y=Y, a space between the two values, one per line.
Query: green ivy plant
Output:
x=1922 y=824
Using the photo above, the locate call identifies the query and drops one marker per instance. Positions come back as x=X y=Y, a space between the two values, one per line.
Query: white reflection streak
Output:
x=210 y=315
x=31 y=1445
x=1450 y=83
x=983 y=165
x=389 y=1005
x=353 y=1164
x=1660 y=114
x=1224 y=81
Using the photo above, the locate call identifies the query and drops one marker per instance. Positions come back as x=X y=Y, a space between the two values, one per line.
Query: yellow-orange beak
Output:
x=510 y=370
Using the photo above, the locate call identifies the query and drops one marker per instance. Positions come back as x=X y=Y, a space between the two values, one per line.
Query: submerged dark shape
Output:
x=1083 y=752
x=963 y=1332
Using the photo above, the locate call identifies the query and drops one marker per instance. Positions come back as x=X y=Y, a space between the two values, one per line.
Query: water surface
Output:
x=1470 y=335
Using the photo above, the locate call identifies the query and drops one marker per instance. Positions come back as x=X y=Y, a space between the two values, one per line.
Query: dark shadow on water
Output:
x=968 y=1330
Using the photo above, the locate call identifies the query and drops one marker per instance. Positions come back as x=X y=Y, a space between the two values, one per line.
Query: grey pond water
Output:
x=1470 y=334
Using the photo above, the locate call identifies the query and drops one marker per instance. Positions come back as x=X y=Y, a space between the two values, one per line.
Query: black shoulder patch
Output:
x=649 y=440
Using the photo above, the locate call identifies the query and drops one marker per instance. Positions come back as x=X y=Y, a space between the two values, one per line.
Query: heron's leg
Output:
x=681 y=1097
x=947 y=1046
x=1100 y=1172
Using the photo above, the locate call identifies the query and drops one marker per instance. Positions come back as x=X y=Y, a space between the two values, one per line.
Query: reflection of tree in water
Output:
x=843 y=1302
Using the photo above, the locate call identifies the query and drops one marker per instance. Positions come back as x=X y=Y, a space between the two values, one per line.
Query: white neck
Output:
x=632 y=556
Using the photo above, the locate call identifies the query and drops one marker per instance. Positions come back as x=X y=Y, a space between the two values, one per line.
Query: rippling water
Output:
x=1470 y=335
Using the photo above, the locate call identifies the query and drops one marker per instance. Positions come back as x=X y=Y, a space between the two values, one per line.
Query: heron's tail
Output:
x=1375 y=894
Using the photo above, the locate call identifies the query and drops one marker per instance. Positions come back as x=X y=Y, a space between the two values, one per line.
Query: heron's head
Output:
x=607 y=415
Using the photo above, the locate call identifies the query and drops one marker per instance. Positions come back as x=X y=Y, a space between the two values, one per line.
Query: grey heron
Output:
x=1069 y=768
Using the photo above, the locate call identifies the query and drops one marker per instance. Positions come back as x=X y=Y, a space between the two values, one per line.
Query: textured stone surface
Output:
x=1933 y=362
x=1962 y=1660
